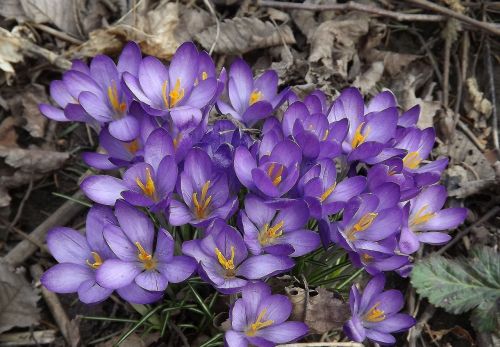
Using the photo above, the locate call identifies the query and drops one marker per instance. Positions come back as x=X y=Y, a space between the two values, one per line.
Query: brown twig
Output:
x=446 y=69
x=417 y=329
x=25 y=236
x=491 y=76
x=24 y=249
x=353 y=6
x=495 y=210
x=56 y=33
x=471 y=135
x=484 y=26
x=69 y=330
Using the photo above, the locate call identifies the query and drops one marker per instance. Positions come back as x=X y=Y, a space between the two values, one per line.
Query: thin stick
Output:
x=484 y=26
x=56 y=33
x=494 y=121
x=68 y=329
x=353 y=6
x=21 y=233
x=446 y=69
x=24 y=249
x=471 y=135
x=210 y=7
x=495 y=210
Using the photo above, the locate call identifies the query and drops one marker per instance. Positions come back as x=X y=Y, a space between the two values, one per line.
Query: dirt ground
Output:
x=443 y=55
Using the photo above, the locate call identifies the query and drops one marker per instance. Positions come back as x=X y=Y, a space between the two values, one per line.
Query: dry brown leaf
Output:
x=8 y=135
x=393 y=62
x=192 y=20
x=154 y=32
x=10 y=52
x=367 y=81
x=320 y=310
x=11 y=9
x=242 y=35
x=17 y=301
x=25 y=104
x=477 y=104
x=20 y=166
x=61 y=13
x=334 y=42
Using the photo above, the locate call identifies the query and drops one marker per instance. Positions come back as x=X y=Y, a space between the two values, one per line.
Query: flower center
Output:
x=114 y=99
x=358 y=137
x=374 y=315
x=422 y=217
x=147 y=259
x=325 y=136
x=175 y=94
x=227 y=264
x=412 y=160
x=363 y=224
x=255 y=96
x=132 y=147
x=259 y=324
x=201 y=205
x=327 y=192
x=147 y=188
x=97 y=261
x=267 y=235
x=275 y=176
x=366 y=258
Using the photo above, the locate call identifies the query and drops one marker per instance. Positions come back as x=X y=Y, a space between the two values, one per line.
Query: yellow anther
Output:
x=267 y=235
x=374 y=315
x=97 y=261
x=227 y=264
x=363 y=224
x=270 y=169
x=204 y=75
x=201 y=206
x=421 y=217
x=366 y=258
x=254 y=97
x=412 y=160
x=176 y=94
x=358 y=137
x=147 y=188
x=114 y=99
x=327 y=192
x=275 y=177
x=147 y=259
x=325 y=136
x=259 y=324
x=132 y=147
x=164 y=94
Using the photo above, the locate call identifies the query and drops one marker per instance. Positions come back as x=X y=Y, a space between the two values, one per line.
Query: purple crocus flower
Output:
x=324 y=195
x=260 y=319
x=316 y=137
x=368 y=133
x=424 y=218
x=375 y=313
x=148 y=184
x=282 y=232
x=224 y=261
x=251 y=100
x=369 y=218
x=136 y=262
x=274 y=171
x=315 y=101
x=161 y=89
x=116 y=153
x=203 y=193
x=79 y=257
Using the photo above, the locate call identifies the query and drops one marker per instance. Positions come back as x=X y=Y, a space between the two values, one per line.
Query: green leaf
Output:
x=459 y=285
x=486 y=317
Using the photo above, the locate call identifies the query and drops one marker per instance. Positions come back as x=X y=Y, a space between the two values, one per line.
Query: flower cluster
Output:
x=212 y=181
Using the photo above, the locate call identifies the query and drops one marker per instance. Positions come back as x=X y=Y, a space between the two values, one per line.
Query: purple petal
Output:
x=381 y=102
x=449 y=218
x=284 y=332
x=372 y=289
x=130 y=59
x=355 y=330
x=119 y=243
x=278 y=308
x=115 y=273
x=125 y=129
x=178 y=269
x=434 y=238
x=135 y=224
x=68 y=246
x=396 y=323
x=235 y=339
x=302 y=241
x=137 y=295
x=202 y=93
x=260 y=266
x=183 y=66
x=53 y=113
x=66 y=277
x=152 y=76
x=179 y=214
x=90 y=292
x=103 y=189
x=256 y=112
x=151 y=280
x=379 y=337
x=244 y=163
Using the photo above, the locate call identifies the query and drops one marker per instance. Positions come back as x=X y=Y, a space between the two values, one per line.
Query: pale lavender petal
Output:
x=178 y=269
x=68 y=246
x=115 y=273
x=103 y=189
x=66 y=277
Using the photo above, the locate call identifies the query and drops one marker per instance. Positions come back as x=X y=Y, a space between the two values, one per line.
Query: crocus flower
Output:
x=375 y=313
x=274 y=171
x=282 y=232
x=424 y=218
x=368 y=133
x=136 y=262
x=315 y=101
x=203 y=193
x=79 y=257
x=260 y=319
x=369 y=218
x=251 y=100
x=324 y=195
x=224 y=261
x=148 y=184
x=316 y=137
x=161 y=89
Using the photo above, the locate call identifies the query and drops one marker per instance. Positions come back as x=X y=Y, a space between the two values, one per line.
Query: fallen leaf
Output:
x=154 y=32
x=477 y=106
x=17 y=301
x=192 y=20
x=334 y=42
x=394 y=62
x=321 y=310
x=10 y=52
x=11 y=9
x=8 y=135
x=367 y=81
x=61 y=13
x=25 y=104
x=20 y=166
x=242 y=35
